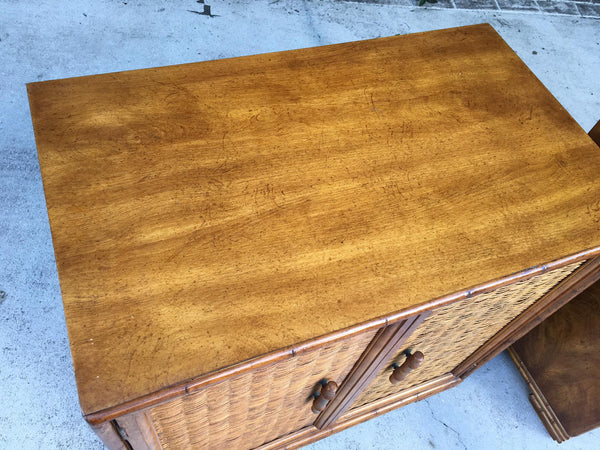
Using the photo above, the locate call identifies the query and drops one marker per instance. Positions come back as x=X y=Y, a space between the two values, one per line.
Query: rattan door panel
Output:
x=257 y=406
x=455 y=331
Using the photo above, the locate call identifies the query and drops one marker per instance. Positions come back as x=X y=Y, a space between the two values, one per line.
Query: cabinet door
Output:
x=453 y=332
x=386 y=343
x=258 y=406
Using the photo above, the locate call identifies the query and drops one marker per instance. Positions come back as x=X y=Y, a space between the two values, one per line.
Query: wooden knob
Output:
x=411 y=363
x=325 y=396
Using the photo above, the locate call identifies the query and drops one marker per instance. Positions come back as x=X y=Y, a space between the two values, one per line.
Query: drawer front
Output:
x=454 y=331
x=258 y=406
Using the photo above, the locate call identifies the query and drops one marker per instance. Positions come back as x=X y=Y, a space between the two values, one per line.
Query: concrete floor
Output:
x=55 y=39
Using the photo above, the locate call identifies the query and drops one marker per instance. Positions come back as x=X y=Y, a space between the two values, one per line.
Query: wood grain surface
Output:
x=562 y=356
x=208 y=213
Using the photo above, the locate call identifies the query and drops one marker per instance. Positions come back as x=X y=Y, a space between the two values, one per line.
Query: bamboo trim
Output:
x=546 y=419
x=187 y=386
x=256 y=407
x=578 y=281
x=377 y=355
x=465 y=326
x=539 y=402
x=362 y=414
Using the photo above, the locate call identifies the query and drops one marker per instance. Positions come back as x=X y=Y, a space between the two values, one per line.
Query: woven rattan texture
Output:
x=455 y=331
x=256 y=407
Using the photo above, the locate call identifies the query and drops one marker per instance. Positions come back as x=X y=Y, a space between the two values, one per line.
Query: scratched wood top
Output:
x=208 y=213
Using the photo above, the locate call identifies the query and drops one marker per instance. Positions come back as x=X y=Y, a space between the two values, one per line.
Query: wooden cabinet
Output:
x=233 y=235
x=270 y=406
x=560 y=360
x=465 y=326
x=259 y=405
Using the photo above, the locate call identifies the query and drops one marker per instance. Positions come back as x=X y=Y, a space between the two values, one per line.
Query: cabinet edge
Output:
x=188 y=386
x=138 y=431
x=538 y=400
x=109 y=436
x=582 y=278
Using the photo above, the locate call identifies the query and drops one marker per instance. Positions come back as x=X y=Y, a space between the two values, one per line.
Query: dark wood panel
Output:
x=595 y=133
x=539 y=402
x=563 y=357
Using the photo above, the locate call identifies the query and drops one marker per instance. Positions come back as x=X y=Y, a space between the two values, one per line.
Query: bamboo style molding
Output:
x=227 y=224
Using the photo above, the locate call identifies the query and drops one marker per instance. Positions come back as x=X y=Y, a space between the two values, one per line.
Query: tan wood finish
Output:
x=448 y=301
x=109 y=436
x=285 y=196
x=229 y=234
x=137 y=431
x=412 y=362
x=325 y=396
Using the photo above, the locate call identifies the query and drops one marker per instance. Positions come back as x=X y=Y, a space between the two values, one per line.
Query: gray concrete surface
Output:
x=581 y=8
x=50 y=39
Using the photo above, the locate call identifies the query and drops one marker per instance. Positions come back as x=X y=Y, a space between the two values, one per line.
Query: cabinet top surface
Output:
x=208 y=213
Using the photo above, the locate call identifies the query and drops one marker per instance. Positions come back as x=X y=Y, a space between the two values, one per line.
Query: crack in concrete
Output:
x=311 y=24
x=433 y=416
